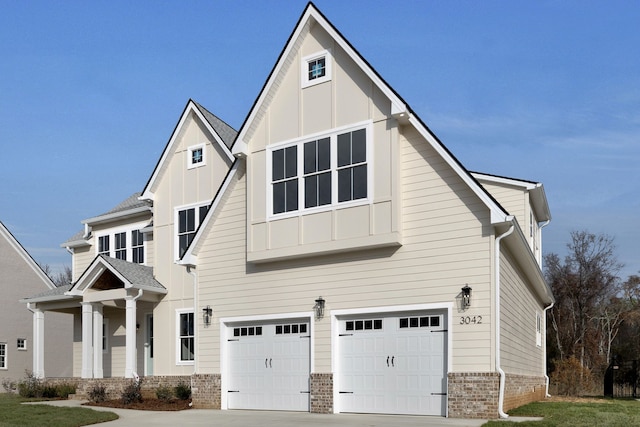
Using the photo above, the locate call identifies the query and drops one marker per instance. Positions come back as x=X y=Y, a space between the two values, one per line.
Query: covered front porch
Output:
x=110 y=301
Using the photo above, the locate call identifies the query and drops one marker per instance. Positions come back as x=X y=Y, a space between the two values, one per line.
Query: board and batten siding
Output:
x=446 y=244
x=519 y=352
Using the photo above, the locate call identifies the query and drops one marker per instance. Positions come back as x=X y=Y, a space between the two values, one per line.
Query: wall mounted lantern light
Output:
x=466 y=296
x=319 y=308
x=207 y=312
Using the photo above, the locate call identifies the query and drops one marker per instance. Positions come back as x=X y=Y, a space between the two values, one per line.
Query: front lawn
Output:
x=583 y=413
x=13 y=413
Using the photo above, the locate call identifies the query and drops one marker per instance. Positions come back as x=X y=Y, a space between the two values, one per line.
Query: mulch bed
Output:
x=146 y=404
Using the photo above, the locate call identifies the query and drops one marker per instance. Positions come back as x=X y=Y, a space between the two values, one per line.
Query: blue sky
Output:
x=547 y=91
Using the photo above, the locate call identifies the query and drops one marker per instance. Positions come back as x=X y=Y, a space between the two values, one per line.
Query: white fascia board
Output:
x=189 y=258
x=498 y=215
x=527 y=185
x=88 y=278
x=117 y=215
x=20 y=250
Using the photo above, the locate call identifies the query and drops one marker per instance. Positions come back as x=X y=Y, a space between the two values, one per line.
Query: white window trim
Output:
x=105 y=335
x=180 y=311
x=299 y=142
x=190 y=150
x=127 y=229
x=538 y=329
x=6 y=356
x=176 y=224
x=304 y=66
x=24 y=347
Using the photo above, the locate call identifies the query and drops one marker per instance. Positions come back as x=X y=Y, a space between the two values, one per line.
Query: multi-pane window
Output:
x=196 y=156
x=3 y=355
x=186 y=335
x=120 y=240
x=352 y=165
x=103 y=245
x=188 y=222
x=22 y=344
x=105 y=335
x=285 y=179
x=320 y=172
x=317 y=68
x=317 y=173
x=137 y=247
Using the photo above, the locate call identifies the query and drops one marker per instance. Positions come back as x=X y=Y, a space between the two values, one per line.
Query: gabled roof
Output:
x=535 y=189
x=56 y=294
x=132 y=205
x=20 y=250
x=399 y=108
x=222 y=133
x=132 y=275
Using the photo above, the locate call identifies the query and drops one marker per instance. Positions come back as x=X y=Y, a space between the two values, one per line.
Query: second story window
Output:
x=285 y=179
x=137 y=247
x=103 y=245
x=188 y=220
x=121 y=246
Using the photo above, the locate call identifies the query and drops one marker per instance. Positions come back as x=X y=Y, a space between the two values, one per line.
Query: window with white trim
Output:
x=196 y=156
x=103 y=245
x=121 y=248
x=185 y=337
x=3 y=355
x=538 y=329
x=316 y=68
x=120 y=240
x=320 y=171
x=137 y=247
x=187 y=222
x=21 y=344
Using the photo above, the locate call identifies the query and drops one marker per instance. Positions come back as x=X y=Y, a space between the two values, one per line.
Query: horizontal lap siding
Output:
x=445 y=245
x=519 y=352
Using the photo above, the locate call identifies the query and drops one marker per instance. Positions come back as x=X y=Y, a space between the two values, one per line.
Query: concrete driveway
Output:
x=199 y=417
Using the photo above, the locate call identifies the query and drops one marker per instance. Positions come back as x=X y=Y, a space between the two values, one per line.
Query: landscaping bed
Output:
x=147 y=404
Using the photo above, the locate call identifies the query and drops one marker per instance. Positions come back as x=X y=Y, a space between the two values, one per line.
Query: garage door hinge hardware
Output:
x=438 y=394
x=307 y=392
x=233 y=391
x=305 y=336
x=233 y=340
x=345 y=392
x=444 y=330
x=345 y=335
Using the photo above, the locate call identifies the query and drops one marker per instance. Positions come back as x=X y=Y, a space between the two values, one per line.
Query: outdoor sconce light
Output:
x=466 y=297
x=207 y=312
x=319 y=308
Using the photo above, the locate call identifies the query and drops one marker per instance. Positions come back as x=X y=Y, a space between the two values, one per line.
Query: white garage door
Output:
x=393 y=364
x=269 y=366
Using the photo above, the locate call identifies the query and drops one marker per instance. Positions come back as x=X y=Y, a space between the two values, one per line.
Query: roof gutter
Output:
x=501 y=412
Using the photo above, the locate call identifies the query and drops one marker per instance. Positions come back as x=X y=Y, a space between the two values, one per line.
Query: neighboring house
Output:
x=21 y=276
x=333 y=256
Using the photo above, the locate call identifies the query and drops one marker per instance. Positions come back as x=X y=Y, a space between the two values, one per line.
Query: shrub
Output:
x=132 y=392
x=183 y=391
x=49 y=391
x=9 y=385
x=31 y=386
x=571 y=377
x=63 y=390
x=97 y=393
x=164 y=393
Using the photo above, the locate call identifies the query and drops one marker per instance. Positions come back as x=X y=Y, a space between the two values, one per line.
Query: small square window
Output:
x=316 y=68
x=22 y=343
x=196 y=156
x=435 y=321
x=404 y=322
x=278 y=329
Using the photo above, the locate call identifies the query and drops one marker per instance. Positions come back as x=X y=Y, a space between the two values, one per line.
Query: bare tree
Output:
x=584 y=284
x=61 y=278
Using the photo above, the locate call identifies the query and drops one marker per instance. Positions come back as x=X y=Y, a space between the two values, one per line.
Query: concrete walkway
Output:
x=199 y=417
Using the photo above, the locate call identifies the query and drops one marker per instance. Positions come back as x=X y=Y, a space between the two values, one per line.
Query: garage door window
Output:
x=296 y=328
x=363 y=325
x=249 y=331
x=419 y=322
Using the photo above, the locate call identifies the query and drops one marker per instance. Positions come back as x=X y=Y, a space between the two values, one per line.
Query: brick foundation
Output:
x=520 y=390
x=321 y=393
x=206 y=391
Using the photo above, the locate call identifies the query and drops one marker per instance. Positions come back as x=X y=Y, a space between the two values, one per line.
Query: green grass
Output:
x=608 y=413
x=14 y=413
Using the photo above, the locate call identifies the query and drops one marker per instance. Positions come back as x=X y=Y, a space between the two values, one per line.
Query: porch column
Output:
x=97 y=340
x=130 y=341
x=87 y=340
x=38 y=343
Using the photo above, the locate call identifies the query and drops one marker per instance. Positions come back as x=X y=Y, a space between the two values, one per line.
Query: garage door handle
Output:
x=387 y=361
x=392 y=357
x=265 y=362
x=270 y=363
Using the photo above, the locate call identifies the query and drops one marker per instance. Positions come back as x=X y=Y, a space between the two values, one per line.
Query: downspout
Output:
x=546 y=377
x=498 y=367
x=192 y=273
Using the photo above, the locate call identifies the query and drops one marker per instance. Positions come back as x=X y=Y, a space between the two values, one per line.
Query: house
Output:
x=331 y=256
x=21 y=276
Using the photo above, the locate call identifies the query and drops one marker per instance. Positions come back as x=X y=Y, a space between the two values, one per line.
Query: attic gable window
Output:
x=320 y=172
x=316 y=68
x=196 y=156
